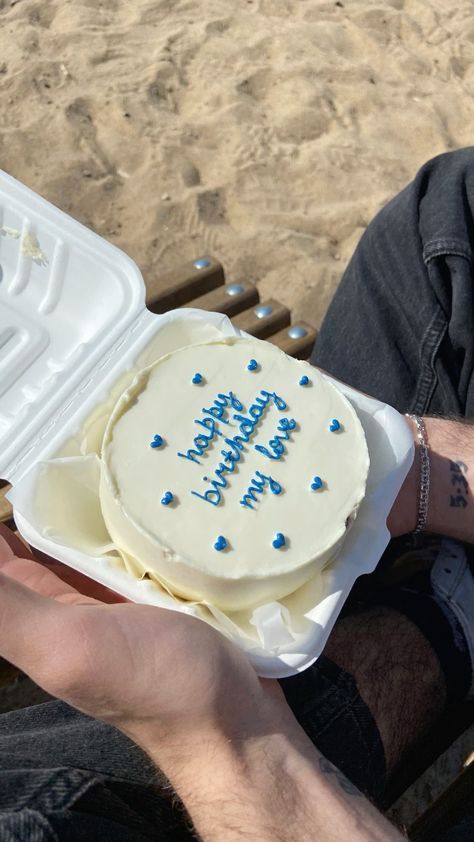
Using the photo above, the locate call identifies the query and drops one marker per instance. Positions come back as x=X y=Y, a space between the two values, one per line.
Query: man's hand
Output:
x=157 y=675
x=227 y=741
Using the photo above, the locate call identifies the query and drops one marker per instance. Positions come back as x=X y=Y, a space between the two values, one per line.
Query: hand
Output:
x=162 y=677
x=227 y=740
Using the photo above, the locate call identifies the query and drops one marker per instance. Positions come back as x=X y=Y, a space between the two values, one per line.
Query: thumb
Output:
x=29 y=625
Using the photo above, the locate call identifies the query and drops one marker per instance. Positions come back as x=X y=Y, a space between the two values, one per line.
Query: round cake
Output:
x=231 y=472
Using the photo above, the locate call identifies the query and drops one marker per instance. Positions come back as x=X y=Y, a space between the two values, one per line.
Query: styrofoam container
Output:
x=72 y=321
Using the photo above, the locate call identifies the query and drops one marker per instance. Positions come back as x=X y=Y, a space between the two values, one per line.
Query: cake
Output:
x=231 y=473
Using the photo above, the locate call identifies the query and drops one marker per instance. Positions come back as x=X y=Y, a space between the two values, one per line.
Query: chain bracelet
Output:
x=424 y=473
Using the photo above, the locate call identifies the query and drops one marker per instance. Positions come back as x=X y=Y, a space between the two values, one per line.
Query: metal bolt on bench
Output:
x=201 y=284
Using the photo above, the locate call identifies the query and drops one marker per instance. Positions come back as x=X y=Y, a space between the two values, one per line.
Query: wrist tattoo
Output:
x=327 y=768
x=459 y=499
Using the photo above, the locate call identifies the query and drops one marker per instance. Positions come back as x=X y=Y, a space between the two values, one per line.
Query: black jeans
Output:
x=401 y=324
x=400 y=328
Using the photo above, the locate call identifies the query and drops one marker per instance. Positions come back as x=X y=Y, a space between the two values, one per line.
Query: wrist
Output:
x=247 y=786
x=271 y=785
x=227 y=781
x=452 y=460
x=450 y=504
x=176 y=751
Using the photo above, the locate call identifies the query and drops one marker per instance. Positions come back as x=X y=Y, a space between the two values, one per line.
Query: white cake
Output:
x=260 y=471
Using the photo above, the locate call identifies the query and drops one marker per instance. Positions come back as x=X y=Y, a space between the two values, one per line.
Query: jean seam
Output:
x=372 y=749
x=328 y=721
x=435 y=248
x=68 y=799
x=429 y=347
x=346 y=695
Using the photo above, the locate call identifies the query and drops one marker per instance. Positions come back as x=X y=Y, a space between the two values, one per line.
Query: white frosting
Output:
x=175 y=543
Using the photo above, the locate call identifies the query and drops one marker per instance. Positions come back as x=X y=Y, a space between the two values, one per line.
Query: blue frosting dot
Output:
x=157 y=441
x=197 y=378
x=317 y=483
x=220 y=544
x=304 y=380
x=167 y=498
x=253 y=365
x=334 y=425
x=279 y=540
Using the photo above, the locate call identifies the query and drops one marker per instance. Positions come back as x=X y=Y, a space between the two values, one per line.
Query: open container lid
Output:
x=66 y=296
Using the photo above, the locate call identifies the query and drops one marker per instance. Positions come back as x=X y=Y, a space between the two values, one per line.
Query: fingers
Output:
x=29 y=623
x=36 y=576
x=48 y=576
x=79 y=582
x=42 y=580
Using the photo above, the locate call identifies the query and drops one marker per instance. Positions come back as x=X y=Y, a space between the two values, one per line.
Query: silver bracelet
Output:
x=424 y=473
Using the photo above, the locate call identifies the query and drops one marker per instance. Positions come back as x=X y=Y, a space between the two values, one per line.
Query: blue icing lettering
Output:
x=236 y=445
x=212 y=496
x=278 y=450
x=201 y=442
x=209 y=424
x=256 y=410
x=221 y=402
x=221 y=468
x=257 y=486
x=247 y=425
x=216 y=412
x=190 y=454
x=231 y=458
x=286 y=425
x=279 y=402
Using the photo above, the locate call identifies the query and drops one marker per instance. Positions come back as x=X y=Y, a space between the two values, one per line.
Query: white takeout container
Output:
x=72 y=321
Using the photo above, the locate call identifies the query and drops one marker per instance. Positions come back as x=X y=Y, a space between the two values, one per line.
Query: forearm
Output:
x=451 y=504
x=274 y=787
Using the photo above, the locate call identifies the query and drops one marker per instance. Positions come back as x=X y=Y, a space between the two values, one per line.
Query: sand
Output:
x=266 y=132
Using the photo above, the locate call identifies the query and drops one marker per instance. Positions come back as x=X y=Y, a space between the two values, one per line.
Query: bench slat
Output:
x=181 y=285
x=263 y=326
x=299 y=346
x=447 y=810
x=229 y=299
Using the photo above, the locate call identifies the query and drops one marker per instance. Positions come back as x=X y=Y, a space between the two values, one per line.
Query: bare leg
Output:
x=397 y=673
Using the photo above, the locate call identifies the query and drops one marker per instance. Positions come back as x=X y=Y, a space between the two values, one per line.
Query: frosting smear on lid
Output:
x=230 y=472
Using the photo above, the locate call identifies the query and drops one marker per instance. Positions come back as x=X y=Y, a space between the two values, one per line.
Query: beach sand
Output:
x=265 y=132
